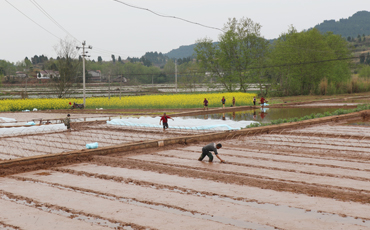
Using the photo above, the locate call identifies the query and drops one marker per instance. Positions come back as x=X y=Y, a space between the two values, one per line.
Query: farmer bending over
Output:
x=164 y=118
x=206 y=151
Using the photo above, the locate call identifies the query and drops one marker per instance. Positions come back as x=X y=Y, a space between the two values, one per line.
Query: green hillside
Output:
x=181 y=52
x=358 y=24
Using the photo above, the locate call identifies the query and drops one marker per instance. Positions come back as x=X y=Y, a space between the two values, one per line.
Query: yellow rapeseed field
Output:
x=131 y=102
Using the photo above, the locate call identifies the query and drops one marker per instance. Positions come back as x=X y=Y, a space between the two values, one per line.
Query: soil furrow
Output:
x=270 y=174
x=4 y=226
x=107 y=209
x=26 y=214
x=301 y=188
x=299 y=167
x=286 y=158
x=146 y=197
x=233 y=191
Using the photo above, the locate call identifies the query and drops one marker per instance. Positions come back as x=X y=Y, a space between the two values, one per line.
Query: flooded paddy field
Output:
x=312 y=177
x=264 y=115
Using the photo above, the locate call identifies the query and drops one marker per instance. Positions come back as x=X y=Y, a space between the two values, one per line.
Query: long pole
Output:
x=83 y=71
x=176 y=74
x=109 y=89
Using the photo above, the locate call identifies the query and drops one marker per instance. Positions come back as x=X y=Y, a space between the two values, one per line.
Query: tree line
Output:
x=296 y=63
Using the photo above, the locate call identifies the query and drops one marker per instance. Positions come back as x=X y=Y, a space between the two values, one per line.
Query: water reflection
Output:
x=265 y=115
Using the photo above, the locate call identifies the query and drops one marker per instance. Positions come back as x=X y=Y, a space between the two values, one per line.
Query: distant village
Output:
x=93 y=76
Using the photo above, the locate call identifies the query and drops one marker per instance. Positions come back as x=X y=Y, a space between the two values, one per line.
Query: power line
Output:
x=168 y=16
x=32 y=20
x=51 y=18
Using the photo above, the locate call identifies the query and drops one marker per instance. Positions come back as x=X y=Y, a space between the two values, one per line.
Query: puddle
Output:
x=92 y=220
x=264 y=115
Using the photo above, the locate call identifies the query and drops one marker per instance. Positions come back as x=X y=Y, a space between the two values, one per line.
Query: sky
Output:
x=111 y=27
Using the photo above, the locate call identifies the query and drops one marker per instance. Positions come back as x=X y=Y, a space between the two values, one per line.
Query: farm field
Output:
x=167 y=101
x=313 y=177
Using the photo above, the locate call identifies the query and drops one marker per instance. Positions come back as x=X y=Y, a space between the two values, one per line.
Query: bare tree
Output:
x=69 y=67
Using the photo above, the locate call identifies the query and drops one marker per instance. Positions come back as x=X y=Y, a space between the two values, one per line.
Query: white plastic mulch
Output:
x=181 y=123
x=32 y=129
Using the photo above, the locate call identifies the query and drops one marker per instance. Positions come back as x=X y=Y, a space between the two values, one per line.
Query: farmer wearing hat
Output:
x=67 y=121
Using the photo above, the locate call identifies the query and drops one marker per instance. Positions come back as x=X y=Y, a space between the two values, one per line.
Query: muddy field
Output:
x=316 y=177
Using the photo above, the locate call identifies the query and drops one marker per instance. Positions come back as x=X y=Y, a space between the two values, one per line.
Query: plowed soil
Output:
x=308 y=178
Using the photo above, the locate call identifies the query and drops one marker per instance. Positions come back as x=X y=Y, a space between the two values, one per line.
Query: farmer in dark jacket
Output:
x=67 y=121
x=206 y=151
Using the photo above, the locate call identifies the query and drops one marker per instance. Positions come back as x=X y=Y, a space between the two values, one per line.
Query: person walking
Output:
x=233 y=101
x=262 y=101
x=205 y=103
x=206 y=151
x=164 y=119
x=67 y=121
x=223 y=100
x=254 y=101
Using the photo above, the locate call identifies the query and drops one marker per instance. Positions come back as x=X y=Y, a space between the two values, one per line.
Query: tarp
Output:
x=183 y=123
x=7 y=120
x=32 y=129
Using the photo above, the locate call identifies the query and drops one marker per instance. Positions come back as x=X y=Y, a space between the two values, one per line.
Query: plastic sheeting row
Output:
x=180 y=124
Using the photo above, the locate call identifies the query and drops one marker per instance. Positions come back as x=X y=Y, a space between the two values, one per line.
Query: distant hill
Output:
x=358 y=24
x=181 y=52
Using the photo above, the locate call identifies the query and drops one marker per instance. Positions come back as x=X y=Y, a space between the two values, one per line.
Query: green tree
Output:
x=190 y=75
x=365 y=72
x=100 y=60
x=113 y=58
x=7 y=68
x=1 y=78
x=234 y=59
x=302 y=60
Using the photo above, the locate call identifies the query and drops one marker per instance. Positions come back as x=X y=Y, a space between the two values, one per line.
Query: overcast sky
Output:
x=114 y=28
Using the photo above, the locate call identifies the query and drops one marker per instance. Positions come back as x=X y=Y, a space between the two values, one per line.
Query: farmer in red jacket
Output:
x=164 y=118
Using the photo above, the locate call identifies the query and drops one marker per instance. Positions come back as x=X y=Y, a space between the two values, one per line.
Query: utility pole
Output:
x=109 y=89
x=120 y=85
x=83 y=65
x=176 y=74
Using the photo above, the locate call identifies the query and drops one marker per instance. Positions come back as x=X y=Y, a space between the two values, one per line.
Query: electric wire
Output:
x=168 y=16
x=32 y=20
x=51 y=18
